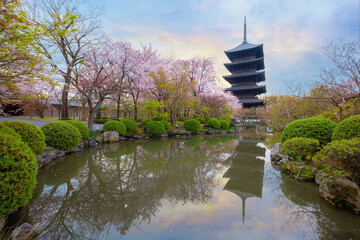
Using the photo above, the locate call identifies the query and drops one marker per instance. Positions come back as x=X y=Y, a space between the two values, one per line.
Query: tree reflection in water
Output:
x=123 y=185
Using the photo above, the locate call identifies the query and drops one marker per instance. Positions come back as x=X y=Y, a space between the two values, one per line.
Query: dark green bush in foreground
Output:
x=115 y=126
x=83 y=129
x=130 y=125
x=318 y=128
x=61 y=135
x=343 y=155
x=145 y=121
x=192 y=125
x=347 y=128
x=300 y=148
x=224 y=124
x=214 y=123
x=18 y=169
x=166 y=124
x=201 y=120
x=129 y=118
x=155 y=128
x=7 y=130
x=30 y=134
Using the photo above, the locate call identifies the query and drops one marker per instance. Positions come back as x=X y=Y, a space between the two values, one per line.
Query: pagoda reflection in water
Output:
x=246 y=172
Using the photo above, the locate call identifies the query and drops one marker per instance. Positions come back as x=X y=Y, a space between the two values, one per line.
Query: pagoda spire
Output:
x=243 y=209
x=244 y=30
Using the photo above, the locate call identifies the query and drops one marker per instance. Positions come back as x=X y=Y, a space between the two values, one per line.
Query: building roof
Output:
x=248 y=87
x=244 y=61
x=243 y=46
x=251 y=100
x=246 y=74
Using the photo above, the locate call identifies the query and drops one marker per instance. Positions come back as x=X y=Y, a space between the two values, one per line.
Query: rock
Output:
x=136 y=136
x=298 y=170
x=60 y=153
x=41 y=161
x=200 y=133
x=138 y=124
x=121 y=138
x=211 y=131
x=93 y=142
x=340 y=192
x=318 y=177
x=276 y=148
x=223 y=132
x=165 y=134
x=238 y=128
x=53 y=155
x=99 y=138
x=111 y=136
x=231 y=131
x=282 y=161
x=2 y=222
x=25 y=231
x=76 y=149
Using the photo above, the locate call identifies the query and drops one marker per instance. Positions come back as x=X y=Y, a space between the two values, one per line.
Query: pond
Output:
x=201 y=187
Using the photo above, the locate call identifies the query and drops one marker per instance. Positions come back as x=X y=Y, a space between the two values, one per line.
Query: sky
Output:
x=294 y=32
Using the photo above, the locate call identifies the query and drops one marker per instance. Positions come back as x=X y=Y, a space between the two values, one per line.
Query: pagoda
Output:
x=247 y=71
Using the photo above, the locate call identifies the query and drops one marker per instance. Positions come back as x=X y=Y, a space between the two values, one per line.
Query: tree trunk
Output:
x=118 y=108
x=64 y=103
x=339 y=114
x=91 y=119
x=135 y=110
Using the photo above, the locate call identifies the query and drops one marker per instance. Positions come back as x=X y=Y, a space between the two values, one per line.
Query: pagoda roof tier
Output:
x=248 y=87
x=258 y=76
x=255 y=63
x=245 y=50
x=253 y=100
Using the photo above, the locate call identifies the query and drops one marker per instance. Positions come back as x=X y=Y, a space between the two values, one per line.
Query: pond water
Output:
x=203 y=187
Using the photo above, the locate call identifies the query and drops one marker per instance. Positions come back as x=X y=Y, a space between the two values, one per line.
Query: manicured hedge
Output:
x=224 y=124
x=181 y=118
x=145 y=121
x=129 y=118
x=166 y=124
x=201 y=120
x=100 y=121
x=131 y=126
x=318 y=128
x=18 y=169
x=30 y=134
x=300 y=148
x=214 y=123
x=192 y=125
x=7 y=130
x=82 y=127
x=115 y=126
x=104 y=117
x=347 y=128
x=61 y=135
x=156 y=118
x=343 y=155
x=155 y=128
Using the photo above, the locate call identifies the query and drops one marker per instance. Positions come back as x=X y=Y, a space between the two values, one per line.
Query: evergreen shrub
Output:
x=104 y=117
x=100 y=121
x=156 y=118
x=181 y=118
x=18 y=169
x=7 y=130
x=145 y=121
x=347 y=128
x=343 y=155
x=224 y=124
x=166 y=124
x=155 y=128
x=318 y=128
x=30 y=134
x=61 y=135
x=192 y=125
x=82 y=127
x=300 y=148
x=201 y=120
x=130 y=124
x=214 y=123
x=129 y=118
x=117 y=126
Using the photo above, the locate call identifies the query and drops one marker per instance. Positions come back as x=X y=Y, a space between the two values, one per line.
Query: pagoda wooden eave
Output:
x=245 y=88
x=246 y=74
x=251 y=100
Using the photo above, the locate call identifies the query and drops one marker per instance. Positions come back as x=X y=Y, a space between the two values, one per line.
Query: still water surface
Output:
x=218 y=187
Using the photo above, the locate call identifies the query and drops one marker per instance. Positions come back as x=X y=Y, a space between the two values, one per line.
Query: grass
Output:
x=50 y=119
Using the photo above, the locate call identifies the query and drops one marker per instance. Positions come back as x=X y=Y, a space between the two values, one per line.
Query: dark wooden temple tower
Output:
x=247 y=71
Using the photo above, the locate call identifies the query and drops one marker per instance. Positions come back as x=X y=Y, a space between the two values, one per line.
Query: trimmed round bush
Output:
x=104 y=117
x=343 y=155
x=318 y=128
x=155 y=128
x=156 y=118
x=145 y=121
x=100 y=121
x=300 y=148
x=166 y=124
x=115 y=126
x=7 y=130
x=181 y=118
x=214 y=123
x=130 y=125
x=129 y=118
x=192 y=125
x=18 y=169
x=347 y=128
x=61 y=135
x=201 y=120
x=30 y=134
x=224 y=124
x=82 y=127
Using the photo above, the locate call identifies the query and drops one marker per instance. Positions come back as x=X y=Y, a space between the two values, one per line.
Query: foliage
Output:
x=145 y=121
x=61 y=135
x=347 y=128
x=156 y=118
x=166 y=124
x=83 y=129
x=214 y=123
x=104 y=117
x=232 y=124
x=18 y=169
x=30 y=134
x=181 y=118
x=224 y=124
x=115 y=126
x=318 y=128
x=7 y=130
x=299 y=148
x=100 y=121
x=201 y=120
x=130 y=124
x=155 y=128
x=129 y=118
x=192 y=125
x=343 y=155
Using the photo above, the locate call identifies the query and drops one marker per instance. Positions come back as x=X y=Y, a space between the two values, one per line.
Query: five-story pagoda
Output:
x=247 y=71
